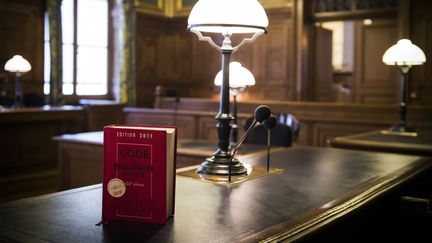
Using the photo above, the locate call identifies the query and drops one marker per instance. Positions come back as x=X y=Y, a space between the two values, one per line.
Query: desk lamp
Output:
x=226 y=18
x=404 y=54
x=18 y=65
x=239 y=79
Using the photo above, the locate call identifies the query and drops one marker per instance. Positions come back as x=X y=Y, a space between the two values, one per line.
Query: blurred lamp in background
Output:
x=240 y=78
x=247 y=20
x=18 y=65
x=404 y=54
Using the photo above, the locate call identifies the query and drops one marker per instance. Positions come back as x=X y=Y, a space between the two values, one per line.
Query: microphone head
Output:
x=262 y=113
x=270 y=122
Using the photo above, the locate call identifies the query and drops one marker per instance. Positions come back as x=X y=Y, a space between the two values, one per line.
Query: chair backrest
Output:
x=291 y=121
x=33 y=100
x=283 y=134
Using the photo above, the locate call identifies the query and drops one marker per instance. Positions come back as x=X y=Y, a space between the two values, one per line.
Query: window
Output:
x=85 y=48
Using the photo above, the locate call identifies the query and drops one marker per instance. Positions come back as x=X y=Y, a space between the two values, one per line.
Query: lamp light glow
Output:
x=17 y=64
x=404 y=53
x=228 y=16
x=240 y=76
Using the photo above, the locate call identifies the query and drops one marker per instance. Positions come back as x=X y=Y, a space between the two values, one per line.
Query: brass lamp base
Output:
x=253 y=172
x=402 y=127
x=218 y=164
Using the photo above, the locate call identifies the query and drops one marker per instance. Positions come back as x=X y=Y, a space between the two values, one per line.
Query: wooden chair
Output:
x=283 y=134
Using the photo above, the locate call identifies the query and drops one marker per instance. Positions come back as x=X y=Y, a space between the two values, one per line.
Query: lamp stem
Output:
x=402 y=126
x=18 y=91
x=224 y=118
x=234 y=127
x=403 y=94
x=222 y=163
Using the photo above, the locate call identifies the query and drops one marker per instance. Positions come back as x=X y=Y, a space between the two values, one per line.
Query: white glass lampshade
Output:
x=228 y=16
x=17 y=64
x=239 y=77
x=404 y=53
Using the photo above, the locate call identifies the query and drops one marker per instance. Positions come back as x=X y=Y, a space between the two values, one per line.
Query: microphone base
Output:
x=218 y=164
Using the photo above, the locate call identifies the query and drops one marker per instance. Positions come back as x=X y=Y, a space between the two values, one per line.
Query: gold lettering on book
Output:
x=146 y=135
x=121 y=134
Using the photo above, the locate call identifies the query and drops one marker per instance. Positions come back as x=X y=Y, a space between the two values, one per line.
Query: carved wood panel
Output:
x=182 y=60
x=421 y=35
x=170 y=56
x=206 y=62
x=375 y=82
x=324 y=132
x=187 y=125
x=273 y=60
x=21 y=32
x=207 y=128
x=323 y=81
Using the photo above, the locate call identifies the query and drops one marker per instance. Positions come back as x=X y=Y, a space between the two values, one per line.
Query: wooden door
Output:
x=323 y=80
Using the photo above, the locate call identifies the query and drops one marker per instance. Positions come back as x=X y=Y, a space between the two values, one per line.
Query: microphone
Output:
x=269 y=124
x=261 y=114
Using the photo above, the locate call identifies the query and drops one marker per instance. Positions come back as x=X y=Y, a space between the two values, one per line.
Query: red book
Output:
x=138 y=173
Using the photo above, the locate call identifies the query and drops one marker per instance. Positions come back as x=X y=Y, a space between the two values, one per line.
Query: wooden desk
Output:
x=325 y=195
x=383 y=141
x=80 y=156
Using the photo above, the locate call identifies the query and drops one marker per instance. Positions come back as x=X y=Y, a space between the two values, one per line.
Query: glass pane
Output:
x=68 y=53
x=92 y=23
x=91 y=89
x=46 y=88
x=91 y=71
x=67 y=9
x=67 y=88
x=46 y=27
x=47 y=67
x=47 y=57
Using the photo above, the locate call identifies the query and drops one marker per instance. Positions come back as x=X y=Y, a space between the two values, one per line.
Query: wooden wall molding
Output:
x=319 y=121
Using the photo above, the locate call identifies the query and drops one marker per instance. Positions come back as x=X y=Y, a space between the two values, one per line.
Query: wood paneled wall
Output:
x=169 y=55
x=21 y=33
x=191 y=124
x=421 y=35
x=375 y=82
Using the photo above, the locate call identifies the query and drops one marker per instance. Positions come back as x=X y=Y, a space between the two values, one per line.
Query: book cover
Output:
x=138 y=173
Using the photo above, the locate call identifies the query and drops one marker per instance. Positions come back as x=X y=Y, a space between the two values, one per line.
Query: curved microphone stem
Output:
x=252 y=126
x=268 y=150
x=177 y=101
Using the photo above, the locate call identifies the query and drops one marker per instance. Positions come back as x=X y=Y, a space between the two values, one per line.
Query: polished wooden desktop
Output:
x=324 y=195
x=80 y=156
x=419 y=143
